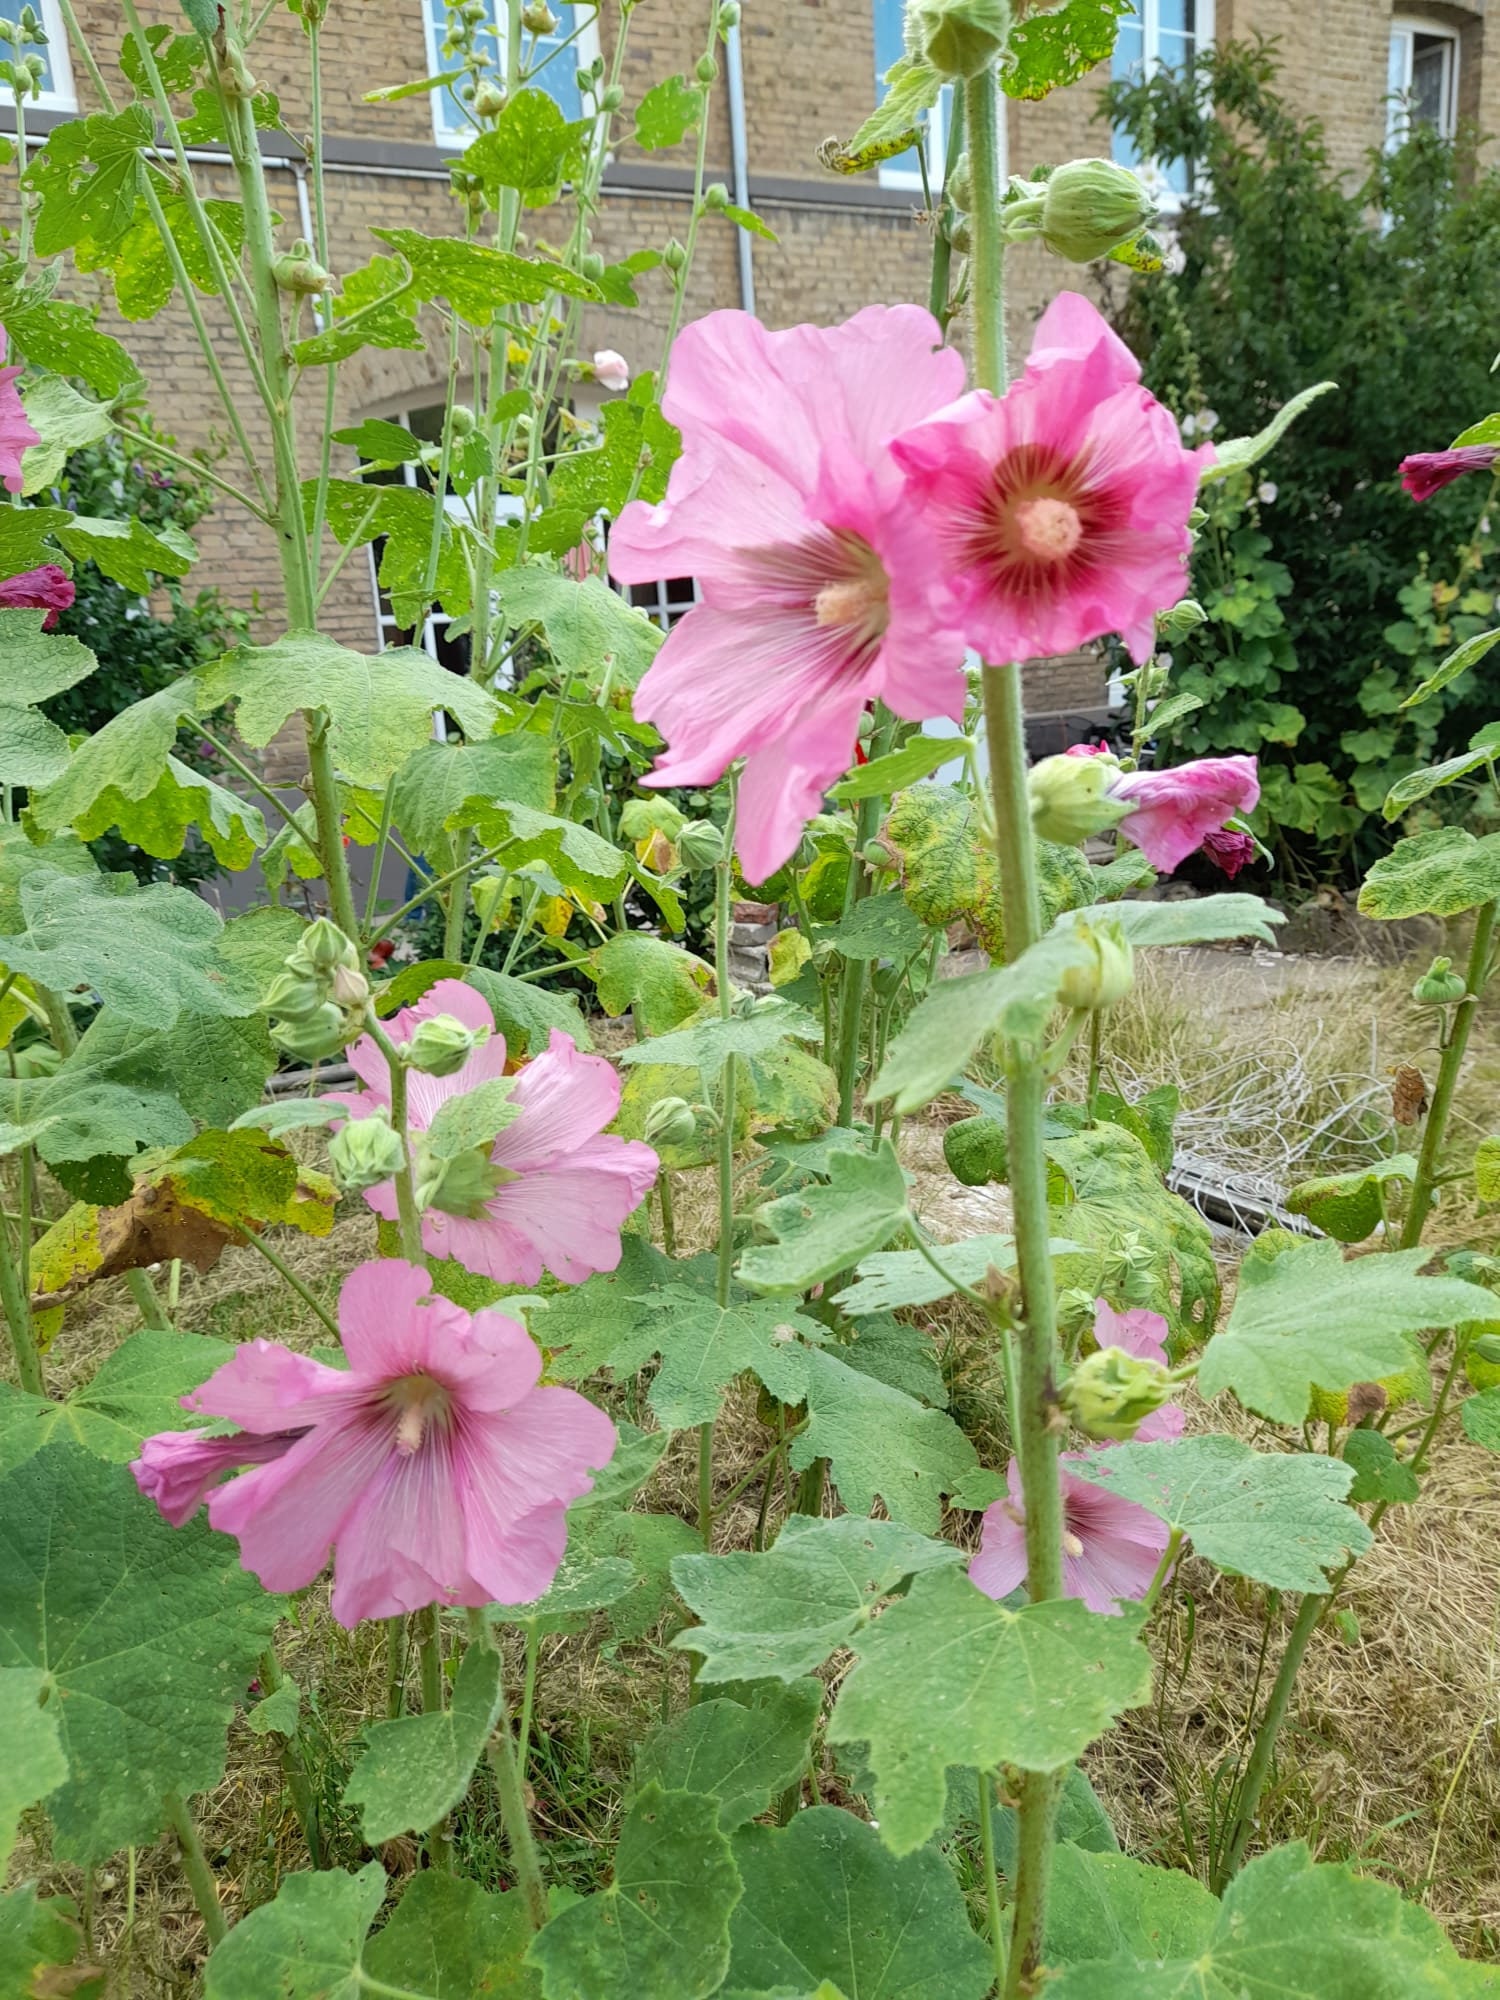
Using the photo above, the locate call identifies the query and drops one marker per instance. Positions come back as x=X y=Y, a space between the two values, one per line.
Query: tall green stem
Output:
x=1247 y=1800
x=728 y=1089
x=1452 y=1063
x=508 y=1782
x=200 y=1877
x=430 y=1656
x=407 y=1213
x=991 y=1875
x=17 y=1309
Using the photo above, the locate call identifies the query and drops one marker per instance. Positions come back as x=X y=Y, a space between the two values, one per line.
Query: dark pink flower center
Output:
x=1043 y=526
x=836 y=577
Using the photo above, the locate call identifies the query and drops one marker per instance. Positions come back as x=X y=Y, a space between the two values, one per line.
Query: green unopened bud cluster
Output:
x=671 y=1121
x=456 y=1183
x=317 y=1001
x=1111 y=1393
x=1106 y=976
x=365 y=1152
x=1082 y=210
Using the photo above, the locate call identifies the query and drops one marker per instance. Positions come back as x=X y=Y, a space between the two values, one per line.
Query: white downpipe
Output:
x=739 y=161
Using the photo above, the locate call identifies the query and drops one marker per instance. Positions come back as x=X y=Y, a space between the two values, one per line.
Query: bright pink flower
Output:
x=1141 y=1333
x=1061 y=507
x=434 y=1467
x=1229 y=851
x=1173 y=812
x=1427 y=472
x=15 y=432
x=48 y=589
x=1111 y=1547
x=565 y=1185
x=816 y=572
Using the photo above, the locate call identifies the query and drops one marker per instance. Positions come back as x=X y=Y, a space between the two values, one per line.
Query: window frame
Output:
x=63 y=96
x=896 y=174
x=1398 y=121
x=585 y=49
x=1169 y=200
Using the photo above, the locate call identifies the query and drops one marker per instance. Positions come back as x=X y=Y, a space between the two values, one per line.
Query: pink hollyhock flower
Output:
x=1061 y=507
x=611 y=370
x=1427 y=472
x=434 y=1467
x=1143 y=1334
x=1111 y=1547
x=561 y=1185
x=815 y=570
x=48 y=589
x=15 y=432
x=1173 y=812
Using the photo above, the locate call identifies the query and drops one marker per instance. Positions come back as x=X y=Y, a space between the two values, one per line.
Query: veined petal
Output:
x=566 y=1097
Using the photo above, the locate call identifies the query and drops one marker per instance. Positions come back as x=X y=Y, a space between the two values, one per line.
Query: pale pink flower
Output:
x=816 y=572
x=1111 y=1547
x=434 y=1468
x=48 y=589
x=1061 y=507
x=1427 y=472
x=611 y=371
x=1141 y=1333
x=1173 y=812
x=564 y=1185
x=15 y=431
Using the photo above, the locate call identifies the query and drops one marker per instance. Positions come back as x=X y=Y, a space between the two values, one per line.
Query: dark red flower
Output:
x=1428 y=472
x=46 y=589
x=1229 y=850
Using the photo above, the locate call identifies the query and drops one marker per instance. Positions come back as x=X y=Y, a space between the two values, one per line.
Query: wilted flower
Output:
x=555 y=1186
x=611 y=370
x=1229 y=850
x=816 y=572
x=1060 y=508
x=1427 y=472
x=1111 y=1547
x=433 y=1468
x=48 y=589
x=16 y=432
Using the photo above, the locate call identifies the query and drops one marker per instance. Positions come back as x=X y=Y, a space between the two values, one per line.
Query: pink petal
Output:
x=566 y=1098
x=784 y=784
x=388 y=1319
x=1138 y=1331
x=567 y=1216
x=1167 y=1422
x=176 y=1468
x=287 y=1516
x=264 y=1387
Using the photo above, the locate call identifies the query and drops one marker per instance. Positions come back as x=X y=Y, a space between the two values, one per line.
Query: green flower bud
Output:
x=1487 y=1348
x=1107 y=978
x=316 y=1035
x=1440 y=985
x=700 y=844
x=716 y=198
x=670 y=1122
x=612 y=98
x=458 y=1185
x=364 y=1153
x=729 y=16
x=293 y=995
x=462 y=420
x=441 y=1046
x=1112 y=1392
x=538 y=18
x=591 y=264
x=349 y=988
x=296 y=271
x=1070 y=798
x=490 y=99
x=674 y=256
x=960 y=37
x=1083 y=210
x=706 y=69
x=961 y=236
x=1182 y=618
x=1077 y=1309
x=321 y=947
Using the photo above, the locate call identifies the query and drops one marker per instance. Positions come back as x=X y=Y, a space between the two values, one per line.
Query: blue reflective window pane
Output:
x=558 y=79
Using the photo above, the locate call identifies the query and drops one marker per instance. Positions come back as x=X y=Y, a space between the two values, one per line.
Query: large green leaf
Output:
x=125 y=760
x=1287 y=1930
x=883 y=926
x=879 y=1441
x=57 y=334
x=1113 y=1906
x=580 y=859
x=667 y=113
x=1196 y=920
x=530 y=147
x=1309 y=1319
x=884 y=776
x=704 y=1346
x=477 y=281
x=1350 y=1206
x=783 y=1612
x=949 y=1677
x=1058 y=45
x=416 y=1769
x=824 y=1899
x=136 y=1393
x=824 y=1229
x=662 y=1926
x=591 y=631
x=403 y=519
x=1484 y=748
x=127 y=552
x=707 y=1044
x=741 y=1751
x=895 y=1278
x=1440 y=873
x=375 y=307
x=434 y=782
x=147 y=1635
x=32 y=1761
x=949 y=869
x=1459 y=661
x=86 y=178
x=39 y=1947
x=150 y=953
x=34 y=665
x=450 y=1940
x=586 y=1582
x=306 y=1945
x=661 y=982
x=380 y=705
x=1278 y=1517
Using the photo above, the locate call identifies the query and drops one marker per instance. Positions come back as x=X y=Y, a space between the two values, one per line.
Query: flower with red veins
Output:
x=434 y=1468
x=16 y=432
x=1427 y=472
x=1061 y=507
x=1111 y=1547
x=48 y=589
x=815 y=572
x=553 y=1189
x=1228 y=850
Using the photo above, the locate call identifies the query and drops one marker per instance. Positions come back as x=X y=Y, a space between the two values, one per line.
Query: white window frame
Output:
x=581 y=52
x=1405 y=29
x=1169 y=200
x=62 y=96
x=663 y=611
x=387 y=626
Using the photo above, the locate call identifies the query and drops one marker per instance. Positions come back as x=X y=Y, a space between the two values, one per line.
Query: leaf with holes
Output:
x=451 y=1940
x=530 y=147
x=306 y=1945
x=667 y=113
x=1058 y=45
x=949 y=1677
x=86 y=179
x=477 y=281
x=414 y=1770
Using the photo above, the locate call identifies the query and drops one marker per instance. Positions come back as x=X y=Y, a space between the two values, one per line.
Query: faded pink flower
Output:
x=1111 y=1547
x=1143 y=1334
x=1173 y=812
x=434 y=1468
x=1427 y=472
x=815 y=570
x=611 y=370
x=562 y=1184
x=1061 y=507
x=48 y=589
x=15 y=431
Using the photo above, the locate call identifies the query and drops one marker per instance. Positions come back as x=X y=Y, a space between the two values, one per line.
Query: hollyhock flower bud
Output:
x=1427 y=472
x=459 y=1184
x=673 y=255
x=1071 y=800
x=1171 y=813
x=321 y=947
x=706 y=69
x=349 y=988
x=1107 y=978
x=1229 y=850
x=294 y=995
x=364 y=1153
x=490 y=99
x=700 y=844
x=313 y=1036
x=462 y=421
x=297 y=270
x=1083 y=210
x=1486 y=1348
x=47 y=588
x=1440 y=985
x=1111 y=1393
x=538 y=18
x=671 y=1121
x=960 y=37
x=611 y=370
x=716 y=198
x=441 y=1045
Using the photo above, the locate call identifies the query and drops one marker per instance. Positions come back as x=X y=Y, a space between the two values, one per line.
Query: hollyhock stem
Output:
x=17 y=1310
x=512 y=1790
x=408 y=1215
x=430 y=1653
x=1457 y=1044
x=991 y=1875
x=1025 y=1085
x=200 y=1877
x=723 y=918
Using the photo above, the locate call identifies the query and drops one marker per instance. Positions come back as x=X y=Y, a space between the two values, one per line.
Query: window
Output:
x=1423 y=80
x=552 y=60
x=665 y=602
x=890 y=46
x=57 y=84
x=1160 y=34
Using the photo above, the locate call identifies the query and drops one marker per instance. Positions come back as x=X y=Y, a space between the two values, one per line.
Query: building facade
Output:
x=801 y=71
